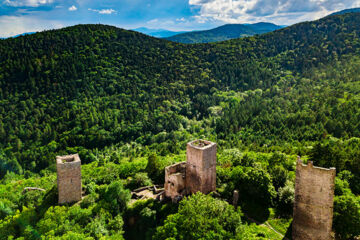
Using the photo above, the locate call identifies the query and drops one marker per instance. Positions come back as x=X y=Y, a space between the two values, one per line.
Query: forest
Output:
x=128 y=103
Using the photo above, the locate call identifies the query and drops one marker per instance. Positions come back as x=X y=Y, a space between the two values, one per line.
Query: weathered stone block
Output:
x=200 y=167
x=69 y=178
x=313 y=206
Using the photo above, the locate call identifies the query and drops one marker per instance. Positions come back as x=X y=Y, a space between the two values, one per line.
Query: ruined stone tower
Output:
x=198 y=173
x=69 y=178
x=313 y=206
x=200 y=167
x=175 y=180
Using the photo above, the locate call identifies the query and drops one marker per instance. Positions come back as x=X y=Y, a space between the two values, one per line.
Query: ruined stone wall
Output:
x=69 y=178
x=313 y=206
x=200 y=167
x=175 y=180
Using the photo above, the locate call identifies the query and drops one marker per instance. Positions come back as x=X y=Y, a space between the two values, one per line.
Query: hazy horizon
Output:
x=21 y=16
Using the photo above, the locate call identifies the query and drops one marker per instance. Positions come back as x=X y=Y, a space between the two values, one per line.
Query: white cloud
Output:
x=279 y=11
x=27 y=3
x=73 y=8
x=14 y=25
x=153 y=21
x=103 y=11
x=180 y=19
x=160 y=23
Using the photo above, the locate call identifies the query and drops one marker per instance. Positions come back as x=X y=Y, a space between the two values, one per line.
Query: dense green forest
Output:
x=225 y=32
x=128 y=103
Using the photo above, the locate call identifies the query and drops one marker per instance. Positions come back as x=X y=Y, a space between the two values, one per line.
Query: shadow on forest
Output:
x=254 y=211
x=288 y=232
x=50 y=199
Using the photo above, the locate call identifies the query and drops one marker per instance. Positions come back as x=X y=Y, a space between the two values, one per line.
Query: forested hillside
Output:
x=225 y=32
x=128 y=103
x=351 y=10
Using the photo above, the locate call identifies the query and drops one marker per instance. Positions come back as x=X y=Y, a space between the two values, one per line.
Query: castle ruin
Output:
x=175 y=180
x=198 y=173
x=313 y=206
x=69 y=178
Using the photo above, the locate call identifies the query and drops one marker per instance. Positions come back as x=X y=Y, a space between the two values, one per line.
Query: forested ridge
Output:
x=225 y=32
x=128 y=103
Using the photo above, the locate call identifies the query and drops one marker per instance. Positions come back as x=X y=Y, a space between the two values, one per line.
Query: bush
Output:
x=201 y=217
x=347 y=216
x=286 y=196
x=117 y=197
x=6 y=208
x=254 y=183
x=89 y=200
x=139 y=180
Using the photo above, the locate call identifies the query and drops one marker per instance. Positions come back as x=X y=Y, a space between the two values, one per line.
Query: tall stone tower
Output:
x=200 y=167
x=314 y=200
x=69 y=178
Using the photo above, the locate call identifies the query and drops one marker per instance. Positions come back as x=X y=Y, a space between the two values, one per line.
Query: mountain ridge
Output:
x=159 y=33
x=132 y=63
x=345 y=11
x=224 y=32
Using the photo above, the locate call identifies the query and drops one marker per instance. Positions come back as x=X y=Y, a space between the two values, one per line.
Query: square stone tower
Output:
x=314 y=200
x=69 y=178
x=200 y=167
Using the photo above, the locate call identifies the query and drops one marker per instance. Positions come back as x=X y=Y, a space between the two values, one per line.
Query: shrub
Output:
x=347 y=216
x=286 y=196
x=117 y=197
x=201 y=217
x=139 y=180
x=254 y=183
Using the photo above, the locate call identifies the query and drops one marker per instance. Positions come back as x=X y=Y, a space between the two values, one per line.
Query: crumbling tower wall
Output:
x=69 y=178
x=313 y=206
x=200 y=167
x=175 y=180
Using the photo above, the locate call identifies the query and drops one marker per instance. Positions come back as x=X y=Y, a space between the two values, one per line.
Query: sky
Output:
x=20 y=16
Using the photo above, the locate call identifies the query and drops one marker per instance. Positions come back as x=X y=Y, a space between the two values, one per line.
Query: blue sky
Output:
x=19 y=16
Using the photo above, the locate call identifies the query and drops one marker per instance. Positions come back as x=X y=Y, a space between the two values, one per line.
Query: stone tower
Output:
x=69 y=178
x=175 y=180
x=314 y=200
x=200 y=167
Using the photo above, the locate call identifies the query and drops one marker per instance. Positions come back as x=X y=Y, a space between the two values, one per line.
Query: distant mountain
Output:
x=159 y=33
x=22 y=34
x=225 y=32
x=351 y=10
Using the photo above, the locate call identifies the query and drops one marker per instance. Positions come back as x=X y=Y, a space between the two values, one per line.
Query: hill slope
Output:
x=351 y=10
x=124 y=86
x=225 y=32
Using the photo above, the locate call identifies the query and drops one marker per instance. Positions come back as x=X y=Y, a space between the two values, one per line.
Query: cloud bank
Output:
x=103 y=11
x=27 y=3
x=278 y=11
x=13 y=25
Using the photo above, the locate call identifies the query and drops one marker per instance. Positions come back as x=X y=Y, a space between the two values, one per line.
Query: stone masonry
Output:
x=175 y=184
x=198 y=173
x=69 y=178
x=313 y=206
x=200 y=167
